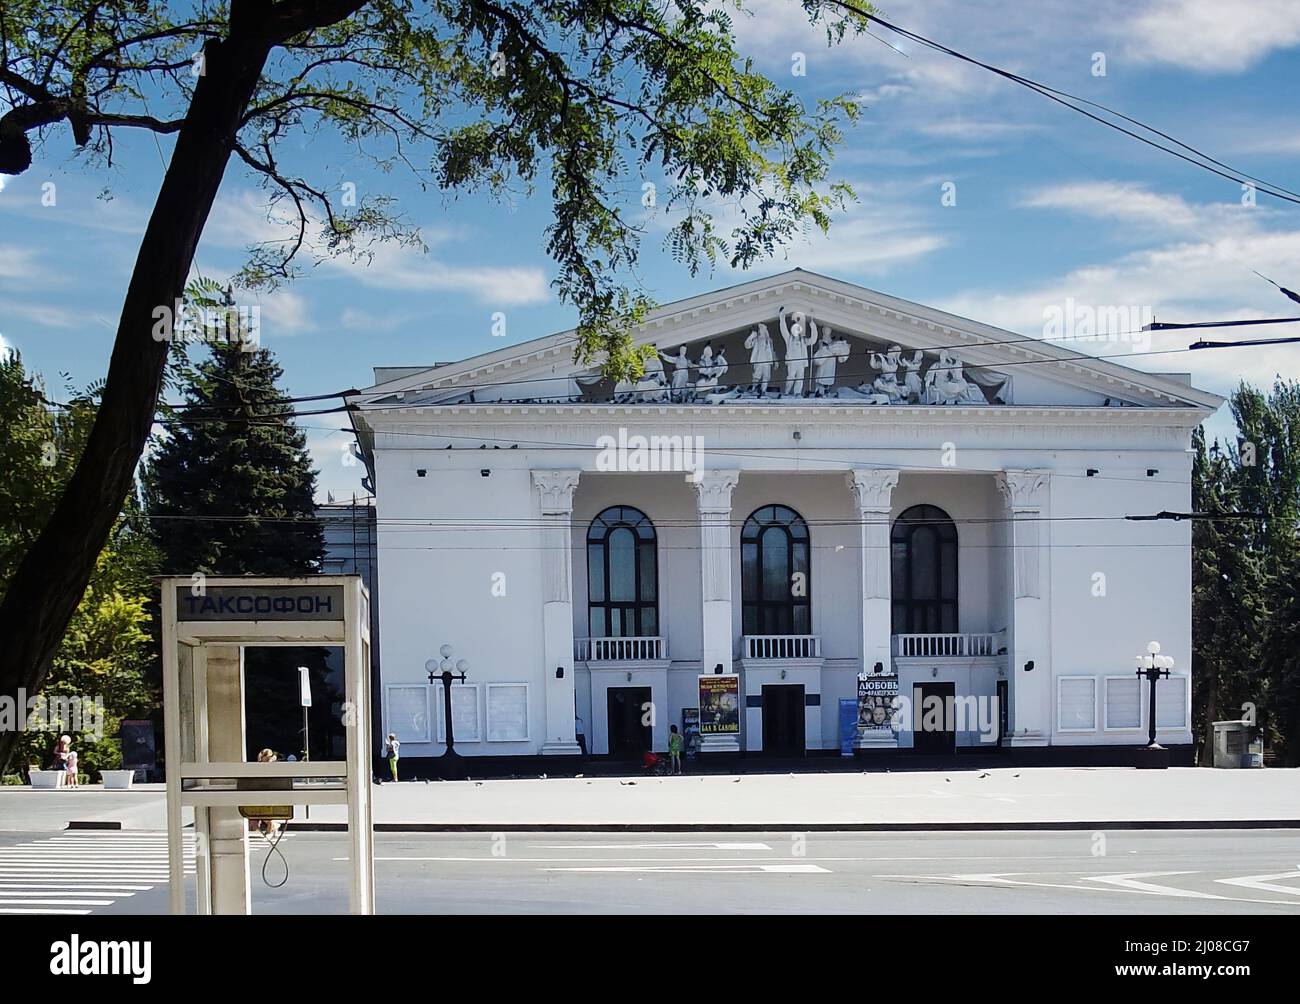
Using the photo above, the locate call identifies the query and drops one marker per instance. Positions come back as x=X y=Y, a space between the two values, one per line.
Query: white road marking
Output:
x=702 y=869
x=17 y=910
x=1132 y=881
x=53 y=902
x=72 y=874
x=655 y=846
x=1127 y=884
x=1265 y=883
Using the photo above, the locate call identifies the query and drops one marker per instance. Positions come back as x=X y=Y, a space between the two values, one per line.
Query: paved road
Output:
x=1166 y=872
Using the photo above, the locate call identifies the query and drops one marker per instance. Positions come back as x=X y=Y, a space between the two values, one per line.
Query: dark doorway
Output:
x=1003 y=707
x=627 y=707
x=933 y=706
x=783 y=720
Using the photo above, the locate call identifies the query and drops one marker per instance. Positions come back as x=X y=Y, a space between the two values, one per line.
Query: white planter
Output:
x=119 y=779
x=47 y=778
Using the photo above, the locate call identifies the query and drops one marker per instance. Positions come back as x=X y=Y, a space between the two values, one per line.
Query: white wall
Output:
x=436 y=584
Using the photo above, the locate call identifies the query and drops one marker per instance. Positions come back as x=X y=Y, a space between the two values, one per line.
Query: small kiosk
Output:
x=207 y=622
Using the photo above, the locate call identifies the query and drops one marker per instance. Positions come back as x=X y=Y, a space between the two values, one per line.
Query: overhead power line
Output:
x=1197 y=157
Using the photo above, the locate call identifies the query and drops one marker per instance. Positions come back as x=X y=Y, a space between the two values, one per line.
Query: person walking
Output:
x=392 y=750
x=676 y=744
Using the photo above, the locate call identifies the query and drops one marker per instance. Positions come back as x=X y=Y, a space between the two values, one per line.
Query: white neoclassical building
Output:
x=815 y=489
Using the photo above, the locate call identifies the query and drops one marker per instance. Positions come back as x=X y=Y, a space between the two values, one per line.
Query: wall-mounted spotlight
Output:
x=783 y=674
x=1152 y=472
x=421 y=472
x=934 y=670
x=1093 y=472
x=718 y=669
x=484 y=472
x=878 y=667
x=1029 y=666
x=559 y=672
x=629 y=677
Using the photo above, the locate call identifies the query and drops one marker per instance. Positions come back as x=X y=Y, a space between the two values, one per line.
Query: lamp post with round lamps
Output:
x=1153 y=666
x=441 y=669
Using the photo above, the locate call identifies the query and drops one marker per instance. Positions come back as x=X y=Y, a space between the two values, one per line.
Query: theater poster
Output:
x=877 y=699
x=720 y=704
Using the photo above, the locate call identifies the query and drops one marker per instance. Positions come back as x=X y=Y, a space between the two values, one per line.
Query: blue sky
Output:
x=1048 y=205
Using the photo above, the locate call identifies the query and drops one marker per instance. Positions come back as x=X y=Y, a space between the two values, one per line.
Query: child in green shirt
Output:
x=676 y=743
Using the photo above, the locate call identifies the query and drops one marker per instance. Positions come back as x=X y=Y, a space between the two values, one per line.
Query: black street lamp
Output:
x=442 y=670
x=1153 y=666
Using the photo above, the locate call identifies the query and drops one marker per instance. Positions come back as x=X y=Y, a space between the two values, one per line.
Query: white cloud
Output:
x=285 y=312
x=411 y=270
x=1210 y=36
x=6 y=346
x=1198 y=270
x=1115 y=200
x=242 y=220
x=20 y=265
x=44 y=315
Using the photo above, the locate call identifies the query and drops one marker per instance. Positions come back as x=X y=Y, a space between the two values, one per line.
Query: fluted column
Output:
x=713 y=498
x=555 y=491
x=1026 y=497
x=872 y=492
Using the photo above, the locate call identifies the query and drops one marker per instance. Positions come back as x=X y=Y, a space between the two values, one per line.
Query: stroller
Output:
x=656 y=764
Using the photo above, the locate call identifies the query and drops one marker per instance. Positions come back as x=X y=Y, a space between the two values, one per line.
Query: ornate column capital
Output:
x=556 y=489
x=713 y=490
x=1024 y=489
x=872 y=488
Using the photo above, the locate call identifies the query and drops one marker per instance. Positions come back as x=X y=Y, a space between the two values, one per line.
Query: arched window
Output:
x=774 y=580
x=924 y=565
x=622 y=575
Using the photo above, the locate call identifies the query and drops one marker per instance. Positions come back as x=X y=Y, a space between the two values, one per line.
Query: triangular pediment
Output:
x=840 y=344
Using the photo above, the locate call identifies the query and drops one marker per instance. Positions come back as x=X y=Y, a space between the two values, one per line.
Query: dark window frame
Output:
x=912 y=614
x=606 y=523
x=785 y=614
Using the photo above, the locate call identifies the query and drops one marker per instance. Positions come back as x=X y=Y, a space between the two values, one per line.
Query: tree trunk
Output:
x=48 y=585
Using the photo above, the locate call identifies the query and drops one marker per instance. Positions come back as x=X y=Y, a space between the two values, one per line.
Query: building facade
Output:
x=818 y=489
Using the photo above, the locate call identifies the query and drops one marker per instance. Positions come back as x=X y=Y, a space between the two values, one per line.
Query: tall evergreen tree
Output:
x=1228 y=599
x=230 y=489
x=1246 y=573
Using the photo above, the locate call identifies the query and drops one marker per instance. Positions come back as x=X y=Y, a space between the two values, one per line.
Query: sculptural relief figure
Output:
x=681 y=373
x=887 y=383
x=798 y=340
x=761 y=358
x=945 y=383
x=913 y=389
x=829 y=352
x=653 y=385
x=710 y=371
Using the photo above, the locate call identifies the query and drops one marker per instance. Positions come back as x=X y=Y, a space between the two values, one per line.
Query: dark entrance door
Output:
x=627 y=706
x=783 y=719
x=932 y=724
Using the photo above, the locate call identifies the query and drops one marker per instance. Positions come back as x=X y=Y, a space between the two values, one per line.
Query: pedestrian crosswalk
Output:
x=82 y=872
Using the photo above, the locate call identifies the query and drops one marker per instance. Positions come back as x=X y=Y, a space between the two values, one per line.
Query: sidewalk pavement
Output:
x=999 y=799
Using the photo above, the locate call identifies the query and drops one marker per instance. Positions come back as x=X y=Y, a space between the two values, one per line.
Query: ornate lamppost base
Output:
x=1151 y=758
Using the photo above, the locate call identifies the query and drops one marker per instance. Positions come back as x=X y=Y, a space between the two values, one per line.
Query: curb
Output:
x=1025 y=826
